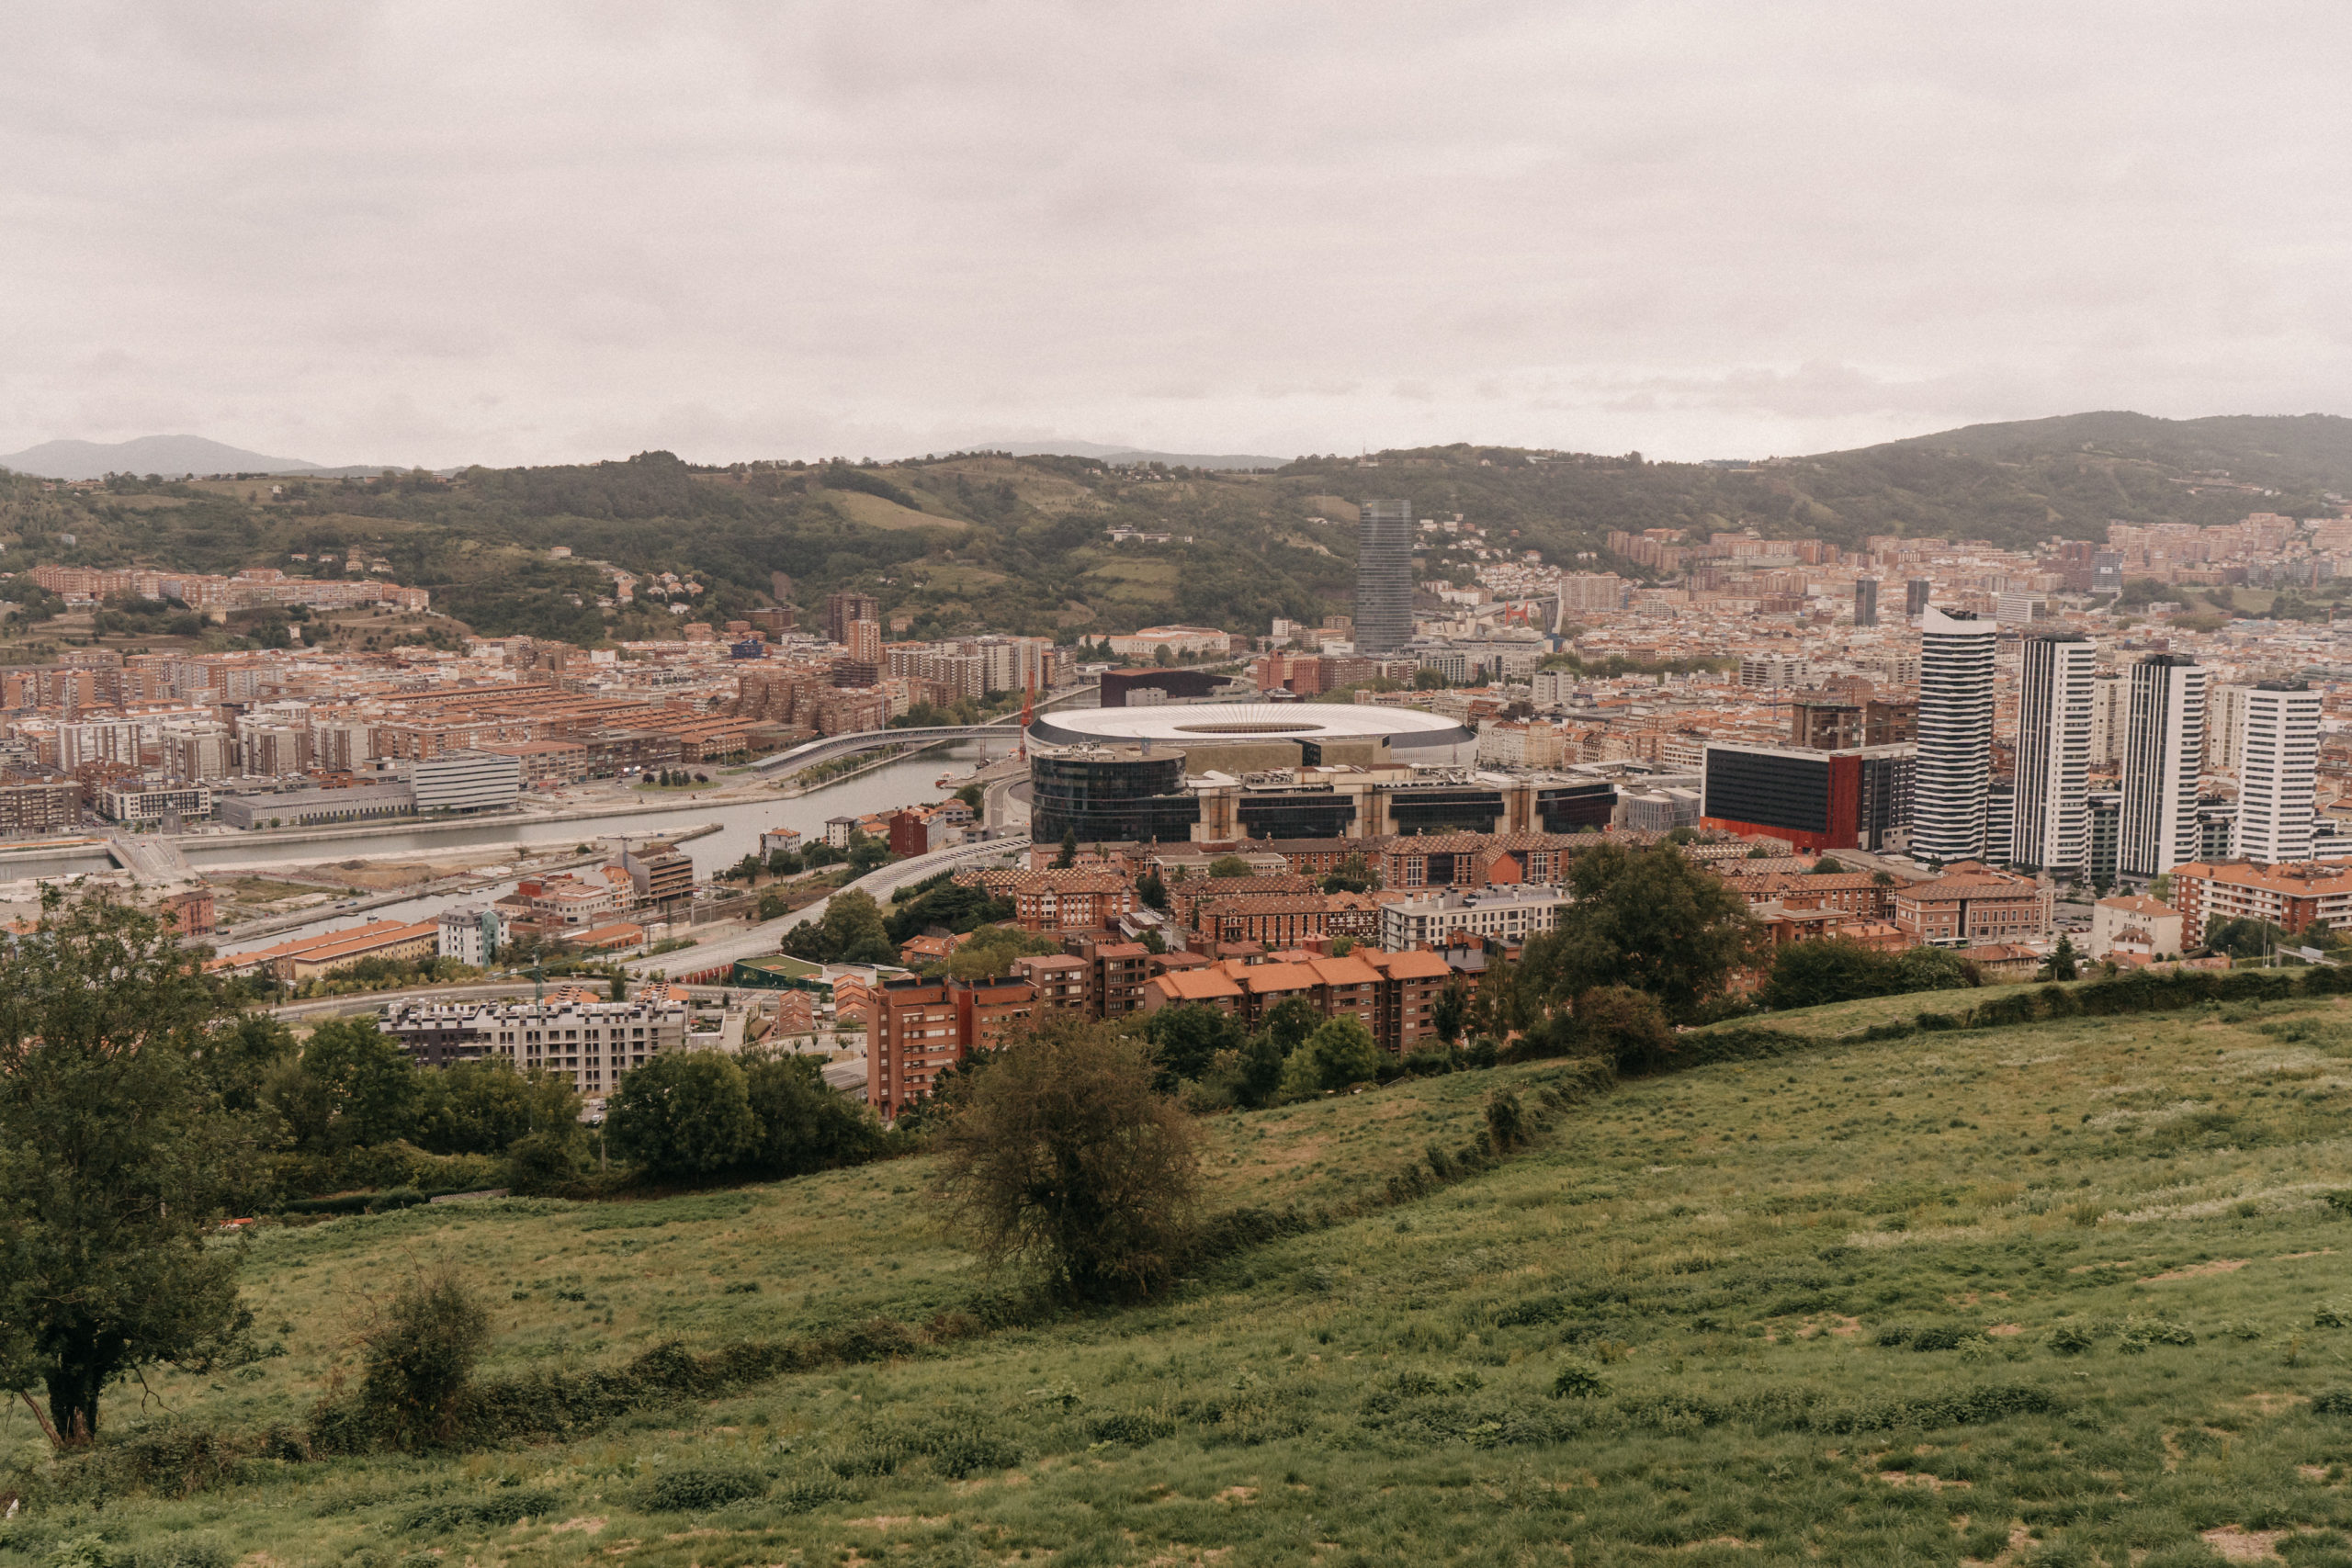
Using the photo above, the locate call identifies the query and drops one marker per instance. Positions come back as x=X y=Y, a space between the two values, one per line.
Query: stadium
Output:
x=1404 y=735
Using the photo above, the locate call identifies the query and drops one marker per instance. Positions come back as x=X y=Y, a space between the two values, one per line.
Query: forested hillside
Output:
x=1019 y=544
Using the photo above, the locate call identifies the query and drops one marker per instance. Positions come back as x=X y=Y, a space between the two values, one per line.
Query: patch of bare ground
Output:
x=2236 y=1545
x=586 y=1524
x=2006 y=1330
x=1921 y=1479
x=2194 y=1270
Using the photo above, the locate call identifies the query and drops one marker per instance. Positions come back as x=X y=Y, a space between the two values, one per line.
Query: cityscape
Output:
x=1046 y=786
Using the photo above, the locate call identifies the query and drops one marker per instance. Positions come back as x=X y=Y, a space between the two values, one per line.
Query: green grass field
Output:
x=2067 y=1293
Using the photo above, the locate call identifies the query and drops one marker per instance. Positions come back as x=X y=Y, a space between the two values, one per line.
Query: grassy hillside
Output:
x=2069 y=1293
x=974 y=541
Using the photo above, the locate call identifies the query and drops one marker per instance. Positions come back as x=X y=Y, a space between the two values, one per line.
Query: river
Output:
x=902 y=782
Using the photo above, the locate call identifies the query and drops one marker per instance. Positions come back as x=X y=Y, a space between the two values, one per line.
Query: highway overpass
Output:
x=831 y=748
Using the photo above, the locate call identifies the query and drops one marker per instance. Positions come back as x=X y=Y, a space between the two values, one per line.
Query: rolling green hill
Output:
x=2073 y=1293
x=1018 y=544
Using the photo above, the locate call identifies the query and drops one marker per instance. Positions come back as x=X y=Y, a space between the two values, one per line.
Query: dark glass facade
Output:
x=1446 y=810
x=1308 y=814
x=1768 y=789
x=1571 y=806
x=1111 y=799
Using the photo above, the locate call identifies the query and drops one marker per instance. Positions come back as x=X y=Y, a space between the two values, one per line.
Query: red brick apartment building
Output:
x=2293 y=897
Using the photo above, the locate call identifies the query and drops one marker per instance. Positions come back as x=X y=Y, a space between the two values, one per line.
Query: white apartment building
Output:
x=1950 y=781
x=1512 y=913
x=2110 y=716
x=2225 y=728
x=137 y=803
x=467 y=781
x=467 y=934
x=1766 y=671
x=2278 y=759
x=592 y=1044
x=2161 y=761
x=2051 y=826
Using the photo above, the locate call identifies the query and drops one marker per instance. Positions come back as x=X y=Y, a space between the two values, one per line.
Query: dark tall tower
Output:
x=1915 y=597
x=1385 y=577
x=1866 y=601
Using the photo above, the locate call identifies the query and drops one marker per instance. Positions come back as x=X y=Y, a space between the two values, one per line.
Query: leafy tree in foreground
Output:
x=1066 y=1159
x=115 y=1158
x=685 y=1113
x=802 y=1125
x=1186 y=1039
x=484 y=1107
x=1647 y=919
x=1342 y=1051
x=420 y=1356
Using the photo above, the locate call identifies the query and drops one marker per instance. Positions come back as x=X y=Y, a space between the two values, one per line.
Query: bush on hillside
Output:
x=420 y=1358
x=1064 y=1158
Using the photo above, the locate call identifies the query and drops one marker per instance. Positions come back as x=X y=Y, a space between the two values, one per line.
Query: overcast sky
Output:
x=443 y=234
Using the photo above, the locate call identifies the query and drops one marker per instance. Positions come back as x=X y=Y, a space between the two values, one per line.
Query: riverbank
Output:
x=451 y=887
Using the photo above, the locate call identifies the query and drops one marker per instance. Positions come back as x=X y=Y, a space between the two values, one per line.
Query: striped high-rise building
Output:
x=1949 y=784
x=2161 y=764
x=2052 y=830
x=1385 y=577
x=2278 y=759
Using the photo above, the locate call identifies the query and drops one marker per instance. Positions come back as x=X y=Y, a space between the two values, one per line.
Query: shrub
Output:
x=543 y=1162
x=184 y=1552
x=496 y=1509
x=2332 y=1315
x=420 y=1358
x=698 y=1489
x=2069 y=1340
x=2141 y=1332
x=1076 y=1100
x=1578 y=1380
x=1506 y=1122
x=2332 y=1402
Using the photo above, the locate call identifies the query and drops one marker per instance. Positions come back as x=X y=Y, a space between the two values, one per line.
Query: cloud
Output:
x=437 y=233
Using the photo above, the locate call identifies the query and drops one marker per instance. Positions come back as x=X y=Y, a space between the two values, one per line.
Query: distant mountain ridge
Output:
x=170 y=455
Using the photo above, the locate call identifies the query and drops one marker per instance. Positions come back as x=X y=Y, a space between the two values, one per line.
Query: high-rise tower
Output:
x=1866 y=601
x=2052 y=830
x=1915 y=597
x=1385 y=577
x=1954 y=772
x=2161 y=758
x=2277 y=758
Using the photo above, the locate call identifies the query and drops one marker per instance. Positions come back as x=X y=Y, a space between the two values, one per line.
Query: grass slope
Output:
x=1925 y=1300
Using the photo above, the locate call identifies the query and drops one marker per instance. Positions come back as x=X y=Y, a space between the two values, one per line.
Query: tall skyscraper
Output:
x=2161 y=758
x=2052 y=822
x=2110 y=716
x=2278 y=757
x=2224 y=727
x=1915 y=597
x=1955 y=768
x=1385 y=577
x=1866 y=601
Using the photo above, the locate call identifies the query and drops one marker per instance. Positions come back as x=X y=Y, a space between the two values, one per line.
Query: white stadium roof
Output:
x=1410 y=733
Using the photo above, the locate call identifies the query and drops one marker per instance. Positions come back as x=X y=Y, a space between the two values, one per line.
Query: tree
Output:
x=865 y=851
x=1152 y=891
x=1069 y=857
x=2063 y=964
x=1809 y=974
x=804 y=1125
x=1761 y=852
x=1343 y=945
x=1340 y=1052
x=1064 y=1158
x=1186 y=1038
x=1153 y=941
x=1228 y=866
x=2243 y=938
x=685 y=1113
x=1828 y=865
x=1625 y=1026
x=116 y=1158
x=1647 y=918
x=1452 y=1009
x=352 y=1086
x=1353 y=876
x=992 y=948
x=484 y=1107
x=1291 y=1020
x=420 y=1356
x=1257 y=1075
x=850 y=932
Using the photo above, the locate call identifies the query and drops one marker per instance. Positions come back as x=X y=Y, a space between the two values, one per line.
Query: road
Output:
x=759 y=941
x=784 y=764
